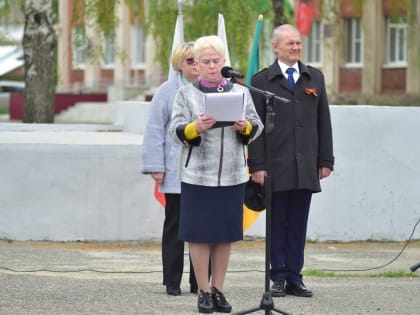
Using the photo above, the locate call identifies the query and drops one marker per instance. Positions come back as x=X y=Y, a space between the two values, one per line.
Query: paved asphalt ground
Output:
x=126 y=278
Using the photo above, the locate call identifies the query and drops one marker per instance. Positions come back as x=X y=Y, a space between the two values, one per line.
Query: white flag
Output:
x=221 y=32
x=178 y=39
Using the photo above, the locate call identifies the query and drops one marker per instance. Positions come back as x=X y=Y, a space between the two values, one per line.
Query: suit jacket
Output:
x=301 y=139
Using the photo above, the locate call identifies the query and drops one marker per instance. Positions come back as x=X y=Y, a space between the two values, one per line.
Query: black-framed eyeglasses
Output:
x=190 y=61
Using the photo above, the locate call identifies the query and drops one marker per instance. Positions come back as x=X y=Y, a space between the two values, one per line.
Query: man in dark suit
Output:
x=301 y=154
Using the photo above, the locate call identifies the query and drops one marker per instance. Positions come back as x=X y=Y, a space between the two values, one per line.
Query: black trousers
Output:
x=289 y=221
x=172 y=248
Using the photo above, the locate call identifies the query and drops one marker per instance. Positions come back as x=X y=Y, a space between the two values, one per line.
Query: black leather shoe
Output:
x=173 y=291
x=219 y=301
x=298 y=289
x=205 y=302
x=277 y=289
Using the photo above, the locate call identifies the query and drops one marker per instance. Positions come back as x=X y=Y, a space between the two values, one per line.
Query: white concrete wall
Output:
x=70 y=182
x=374 y=192
x=132 y=116
x=75 y=185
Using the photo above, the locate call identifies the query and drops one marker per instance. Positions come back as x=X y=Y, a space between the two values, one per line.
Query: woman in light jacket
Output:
x=213 y=172
x=158 y=159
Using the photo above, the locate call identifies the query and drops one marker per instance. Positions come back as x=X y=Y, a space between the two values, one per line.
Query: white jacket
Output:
x=218 y=156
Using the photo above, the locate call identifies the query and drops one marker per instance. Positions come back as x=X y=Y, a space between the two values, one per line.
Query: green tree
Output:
x=200 y=18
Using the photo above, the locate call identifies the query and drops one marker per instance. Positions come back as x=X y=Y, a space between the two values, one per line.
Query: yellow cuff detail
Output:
x=247 y=130
x=190 y=131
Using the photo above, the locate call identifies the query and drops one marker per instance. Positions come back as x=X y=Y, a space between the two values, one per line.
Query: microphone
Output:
x=228 y=72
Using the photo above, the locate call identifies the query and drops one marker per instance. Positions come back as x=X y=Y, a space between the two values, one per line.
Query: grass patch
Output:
x=4 y=111
x=397 y=274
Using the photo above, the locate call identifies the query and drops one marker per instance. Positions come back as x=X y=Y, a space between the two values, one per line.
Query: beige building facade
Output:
x=369 y=53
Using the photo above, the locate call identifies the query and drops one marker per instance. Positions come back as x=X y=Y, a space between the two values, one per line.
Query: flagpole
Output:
x=180 y=17
x=179 y=7
x=280 y=11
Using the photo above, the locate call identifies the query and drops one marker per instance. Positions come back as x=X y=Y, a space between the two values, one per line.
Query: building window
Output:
x=108 y=50
x=79 y=47
x=138 y=51
x=397 y=41
x=312 y=45
x=353 y=51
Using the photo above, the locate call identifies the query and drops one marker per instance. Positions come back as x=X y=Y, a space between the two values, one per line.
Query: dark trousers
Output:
x=289 y=219
x=172 y=248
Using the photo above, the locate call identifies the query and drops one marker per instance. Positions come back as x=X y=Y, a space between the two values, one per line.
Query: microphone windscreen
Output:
x=225 y=71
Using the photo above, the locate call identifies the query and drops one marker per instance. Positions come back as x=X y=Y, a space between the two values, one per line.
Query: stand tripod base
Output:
x=266 y=305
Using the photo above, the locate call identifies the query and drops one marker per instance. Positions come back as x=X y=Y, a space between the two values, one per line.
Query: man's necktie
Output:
x=290 y=79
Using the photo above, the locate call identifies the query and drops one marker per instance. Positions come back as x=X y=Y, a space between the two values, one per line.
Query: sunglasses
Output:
x=190 y=61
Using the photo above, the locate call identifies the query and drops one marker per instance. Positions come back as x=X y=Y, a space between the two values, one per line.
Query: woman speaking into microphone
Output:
x=212 y=170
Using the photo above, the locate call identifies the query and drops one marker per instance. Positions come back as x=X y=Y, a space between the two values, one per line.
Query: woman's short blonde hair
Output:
x=181 y=52
x=210 y=41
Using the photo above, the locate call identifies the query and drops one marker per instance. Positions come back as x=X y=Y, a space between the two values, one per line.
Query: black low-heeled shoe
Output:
x=173 y=291
x=220 y=303
x=205 y=303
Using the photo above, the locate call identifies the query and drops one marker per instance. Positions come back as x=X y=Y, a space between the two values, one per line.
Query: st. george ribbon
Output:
x=228 y=72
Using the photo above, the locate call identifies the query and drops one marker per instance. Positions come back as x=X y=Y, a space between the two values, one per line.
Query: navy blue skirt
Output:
x=211 y=214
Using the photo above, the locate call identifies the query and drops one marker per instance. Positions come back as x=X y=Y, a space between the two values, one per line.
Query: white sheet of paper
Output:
x=225 y=106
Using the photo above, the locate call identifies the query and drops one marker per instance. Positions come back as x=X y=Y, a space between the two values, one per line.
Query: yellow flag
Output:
x=250 y=216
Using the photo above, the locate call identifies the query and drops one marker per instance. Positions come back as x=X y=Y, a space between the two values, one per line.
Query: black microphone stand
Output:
x=266 y=303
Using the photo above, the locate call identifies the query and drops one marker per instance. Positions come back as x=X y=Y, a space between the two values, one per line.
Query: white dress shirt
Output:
x=284 y=67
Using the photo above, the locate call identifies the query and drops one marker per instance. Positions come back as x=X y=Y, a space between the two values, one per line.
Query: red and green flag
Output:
x=304 y=16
